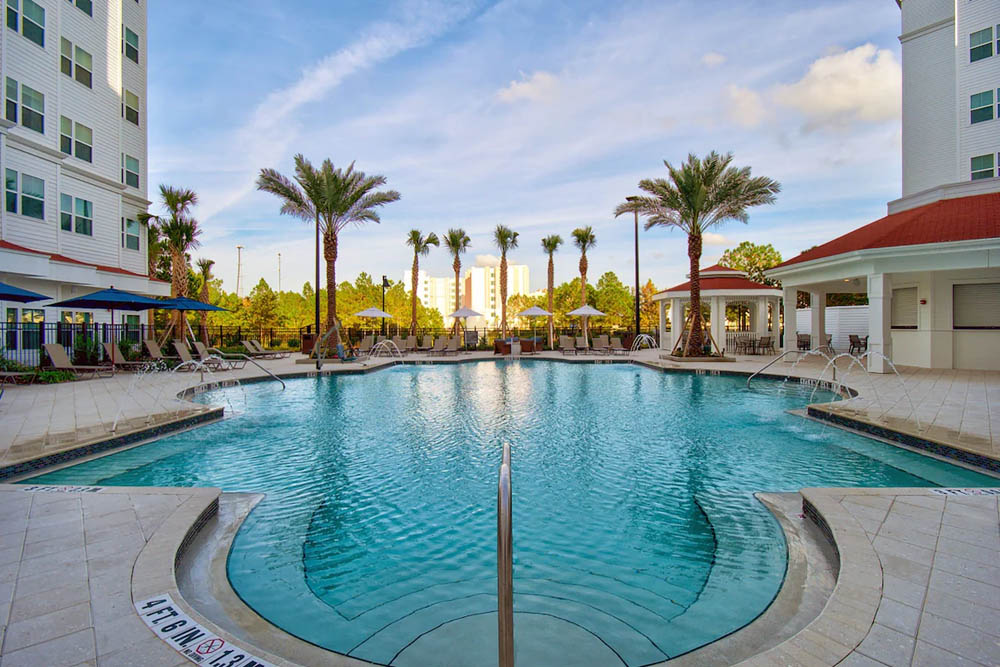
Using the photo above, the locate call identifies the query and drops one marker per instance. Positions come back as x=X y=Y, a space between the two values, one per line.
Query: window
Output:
x=131 y=107
x=976 y=306
x=10 y=190
x=130 y=170
x=904 y=308
x=76 y=63
x=981 y=105
x=33 y=22
x=32 y=197
x=12 y=14
x=131 y=46
x=76 y=215
x=130 y=234
x=31 y=324
x=86 y=6
x=982 y=167
x=980 y=44
x=11 y=111
x=76 y=139
x=65 y=212
x=32 y=109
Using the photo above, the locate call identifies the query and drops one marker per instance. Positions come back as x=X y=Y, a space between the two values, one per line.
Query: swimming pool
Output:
x=636 y=534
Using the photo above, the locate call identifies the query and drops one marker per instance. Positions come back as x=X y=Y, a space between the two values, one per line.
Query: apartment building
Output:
x=435 y=293
x=73 y=153
x=482 y=292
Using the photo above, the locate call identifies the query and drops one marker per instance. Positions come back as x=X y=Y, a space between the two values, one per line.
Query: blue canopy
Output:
x=184 y=303
x=11 y=293
x=113 y=299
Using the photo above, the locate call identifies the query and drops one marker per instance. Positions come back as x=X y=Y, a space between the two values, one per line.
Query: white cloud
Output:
x=745 y=106
x=711 y=238
x=713 y=59
x=863 y=84
x=539 y=87
x=487 y=260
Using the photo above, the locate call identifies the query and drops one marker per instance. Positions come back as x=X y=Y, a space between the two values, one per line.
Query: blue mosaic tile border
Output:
x=908 y=439
x=37 y=465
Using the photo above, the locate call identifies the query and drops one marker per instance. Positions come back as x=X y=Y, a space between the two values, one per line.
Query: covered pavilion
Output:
x=721 y=286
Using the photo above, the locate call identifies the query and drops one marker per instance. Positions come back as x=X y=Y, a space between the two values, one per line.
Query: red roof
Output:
x=729 y=284
x=62 y=258
x=719 y=267
x=947 y=220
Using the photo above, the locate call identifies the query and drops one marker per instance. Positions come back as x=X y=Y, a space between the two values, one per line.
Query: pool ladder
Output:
x=505 y=565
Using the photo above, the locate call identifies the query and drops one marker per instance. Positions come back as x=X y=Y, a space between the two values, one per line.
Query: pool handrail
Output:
x=251 y=360
x=777 y=359
x=505 y=565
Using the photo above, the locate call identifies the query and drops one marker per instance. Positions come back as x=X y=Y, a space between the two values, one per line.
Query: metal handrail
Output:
x=250 y=359
x=772 y=362
x=505 y=566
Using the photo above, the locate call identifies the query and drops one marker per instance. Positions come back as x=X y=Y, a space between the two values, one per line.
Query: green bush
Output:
x=86 y=351
x=293 y=343
x=11 y=366
x=53 y=376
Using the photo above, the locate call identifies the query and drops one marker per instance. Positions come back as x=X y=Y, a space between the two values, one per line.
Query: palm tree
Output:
x=179 y=232
x=333 y=198
x=550 y=244
x=205 y=272
x=457 y=242
x=421 y=246
x=505 y=239
x=584 y=239
x=699 y=195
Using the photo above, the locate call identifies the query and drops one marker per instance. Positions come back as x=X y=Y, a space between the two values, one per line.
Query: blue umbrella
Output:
x=11 y=293
x=184 y=303
x=113 y=299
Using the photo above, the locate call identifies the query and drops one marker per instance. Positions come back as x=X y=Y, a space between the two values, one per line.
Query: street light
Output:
x=385 y=284
x=633 y=199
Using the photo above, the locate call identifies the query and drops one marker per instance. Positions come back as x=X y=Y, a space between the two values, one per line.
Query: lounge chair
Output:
x=254 y=354
x=365 y=348
x=615 y=347
x=454 y=345
x=440 y=346
x=410 y=345
x=60 y=361
x=398 y=342
x=601 y=344
x=581 y=344
x=428 y=344
x=185 y=355
x=206 y=353
x=277 y=354
x=566 y=345
x=114 y=355
x=155 y=353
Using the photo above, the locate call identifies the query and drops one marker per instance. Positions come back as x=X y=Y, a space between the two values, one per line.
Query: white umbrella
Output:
x=585 y=311
x=534 y=312
x=374 y=312
x=464 y=313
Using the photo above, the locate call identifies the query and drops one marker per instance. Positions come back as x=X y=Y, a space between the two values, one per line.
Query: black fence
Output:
x=22 y=343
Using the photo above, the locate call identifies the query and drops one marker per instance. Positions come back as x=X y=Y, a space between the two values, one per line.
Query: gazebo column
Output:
x=718 y=315
x=817 y=303
x=663 y=322
x=760 y=326
x=788 y=297
x=879 y=321
x=676 y=321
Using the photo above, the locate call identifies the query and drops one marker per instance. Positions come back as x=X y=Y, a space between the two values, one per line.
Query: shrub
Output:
x=86 y=351
x=11 y=366
x=53 y=376
x=293 y=343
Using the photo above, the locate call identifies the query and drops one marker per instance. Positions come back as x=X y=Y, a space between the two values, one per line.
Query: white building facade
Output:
x=73 y=154
x=435 y=293
x=482 y=292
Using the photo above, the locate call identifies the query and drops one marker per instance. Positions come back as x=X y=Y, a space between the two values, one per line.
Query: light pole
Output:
x=279 y=273
x=239 y=269
x=633 y=199
x=385 y=283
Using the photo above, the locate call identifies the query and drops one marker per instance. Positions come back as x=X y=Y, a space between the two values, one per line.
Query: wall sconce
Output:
x=923 y=302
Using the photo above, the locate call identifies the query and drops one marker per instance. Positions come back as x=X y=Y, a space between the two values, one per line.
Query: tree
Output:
x=205 y=274
x=616 y=300
x=550 y=244
x=262 y=309
x=584 y=239
x=333 y=198
x=179 y=231
x=505 y=239
x=753 y=259
x=648 y=310
x=421 y=246
x=701 y=194
x=457 y=242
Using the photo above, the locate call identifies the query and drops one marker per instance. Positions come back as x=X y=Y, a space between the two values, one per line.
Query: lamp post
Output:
x=316 y=293
x=634 y=199
x=385 y=283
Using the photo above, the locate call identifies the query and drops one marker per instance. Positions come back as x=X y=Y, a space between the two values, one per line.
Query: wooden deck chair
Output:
x=60 y=361
x=117 y=360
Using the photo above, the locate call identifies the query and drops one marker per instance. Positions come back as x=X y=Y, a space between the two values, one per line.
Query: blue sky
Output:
x=538 y=115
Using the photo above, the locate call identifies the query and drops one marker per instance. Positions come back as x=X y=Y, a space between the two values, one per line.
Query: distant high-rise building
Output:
x=482 y=291
x=434 y=293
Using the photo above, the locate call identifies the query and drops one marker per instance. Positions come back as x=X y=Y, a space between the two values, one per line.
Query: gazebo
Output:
x=721 y=286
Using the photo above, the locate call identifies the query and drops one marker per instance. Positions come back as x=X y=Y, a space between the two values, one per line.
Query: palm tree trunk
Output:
x=552 y=280
x=457 y=265
x=203 y=316
x=330 y=255
x=583 y=291
x=503 y=295
x=413 y=294
x=695 y=342
x=178 y=285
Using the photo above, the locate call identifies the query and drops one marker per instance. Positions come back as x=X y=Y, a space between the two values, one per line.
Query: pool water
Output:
x=636 y=533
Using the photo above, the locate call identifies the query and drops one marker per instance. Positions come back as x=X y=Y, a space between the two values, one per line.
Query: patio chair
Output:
x=454 y=343
x=410 y=345
x=427 y=345
x=112 y=353
x=440 y=345
x=601 y=344
x=15 y=377
x=829 y=342
x=615 y=347
x=581 y=344
x=566 y=345
x=366 y=346
x=206 y=353
x=254 y=354
x=742 y=345
x=155 y=353
x=766 y=343
x=804 y=341
x=397 y=340
x=61 y=362
x=278 y=354
x=185 y=355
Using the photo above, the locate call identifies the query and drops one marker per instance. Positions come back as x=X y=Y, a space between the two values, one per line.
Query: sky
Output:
x=541 y=116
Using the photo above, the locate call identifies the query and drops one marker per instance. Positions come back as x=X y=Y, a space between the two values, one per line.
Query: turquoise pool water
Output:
x=636 y=533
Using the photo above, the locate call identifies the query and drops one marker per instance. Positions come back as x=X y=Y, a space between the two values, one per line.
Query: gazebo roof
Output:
x=720 y=280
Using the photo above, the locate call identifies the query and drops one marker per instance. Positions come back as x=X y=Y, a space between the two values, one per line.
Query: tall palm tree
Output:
x=550 y=244
x=584 y=239
x=205 y=272
x=179 y=231
x=699 y=195
x=421 y=246
x=457 y=242
x=505 y=239
x=333 y=198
